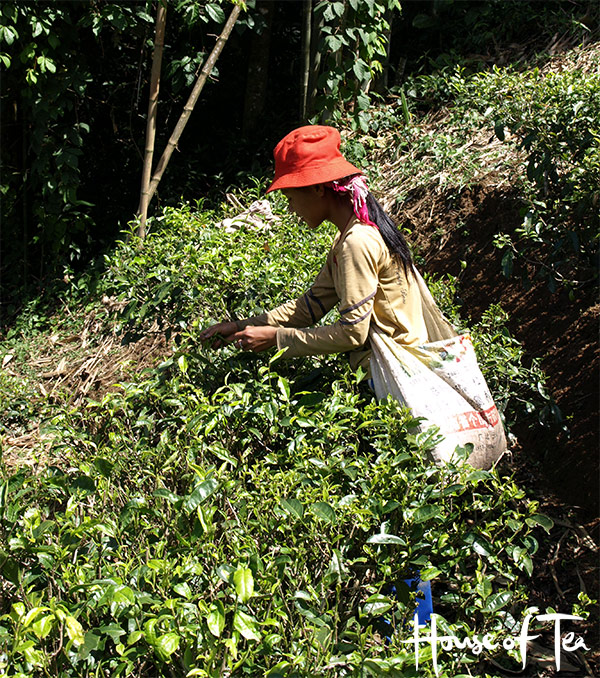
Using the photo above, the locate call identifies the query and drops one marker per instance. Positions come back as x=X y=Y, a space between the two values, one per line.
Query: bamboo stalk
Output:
x=306 y=45
x=159 y=41
x=193 y=98
x=315 y=59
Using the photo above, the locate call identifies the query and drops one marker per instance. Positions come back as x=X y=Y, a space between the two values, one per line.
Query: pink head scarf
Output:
x=356 y=186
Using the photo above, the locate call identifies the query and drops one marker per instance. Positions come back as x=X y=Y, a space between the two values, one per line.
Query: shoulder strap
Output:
x=438 y=326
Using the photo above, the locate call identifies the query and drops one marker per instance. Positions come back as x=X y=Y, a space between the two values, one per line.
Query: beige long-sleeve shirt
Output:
x=369 y=285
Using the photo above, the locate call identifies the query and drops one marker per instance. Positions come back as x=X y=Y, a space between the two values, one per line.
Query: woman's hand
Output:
x=218 y=333
x=254 y=338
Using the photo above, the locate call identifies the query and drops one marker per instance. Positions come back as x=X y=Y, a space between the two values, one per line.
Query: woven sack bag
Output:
x=440 y=382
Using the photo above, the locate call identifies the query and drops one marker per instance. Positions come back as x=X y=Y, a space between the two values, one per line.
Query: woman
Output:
x=368 y=271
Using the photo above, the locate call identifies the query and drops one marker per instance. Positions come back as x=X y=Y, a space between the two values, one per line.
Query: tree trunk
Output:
x=381 y=83
x=258 y=69
x=315 y=61
x=159 y=41
x=306 y=52
x=191 y=102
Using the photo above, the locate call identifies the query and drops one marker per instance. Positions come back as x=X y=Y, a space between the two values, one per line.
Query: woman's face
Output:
x=308 y=203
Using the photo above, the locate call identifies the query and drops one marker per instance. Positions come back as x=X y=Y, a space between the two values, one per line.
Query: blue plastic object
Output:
x=424 y=603
x=423 y=608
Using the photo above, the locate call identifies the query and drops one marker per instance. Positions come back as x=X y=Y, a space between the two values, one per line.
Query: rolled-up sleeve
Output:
x=357 y=260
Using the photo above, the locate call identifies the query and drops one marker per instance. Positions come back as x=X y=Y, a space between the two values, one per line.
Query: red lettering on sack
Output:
x=468 y=421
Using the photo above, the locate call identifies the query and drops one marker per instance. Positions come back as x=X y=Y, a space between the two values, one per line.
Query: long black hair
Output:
x=390 y=233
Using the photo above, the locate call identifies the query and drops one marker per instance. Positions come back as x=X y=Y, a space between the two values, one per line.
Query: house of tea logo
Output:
x=569 y=643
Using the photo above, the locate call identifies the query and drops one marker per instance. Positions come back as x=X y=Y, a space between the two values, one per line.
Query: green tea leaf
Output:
x=183 y=589
x=216 y=619
x=245 y=625
x=484 y=588
x=199 y=494
x=424 y=513
x=31 y=615
x=134 y=636
x=166 y=645
x=323 y=511
x=526 y=563
x=293 y=507
x=376 y=605
x=428 y=573
x=114 y=631
x=336 y=570
x=541 y=520
x=481 y=546
x=74 y=630
x=43 y=626
x=497 y=601
x=104 y=466
x=244 y=583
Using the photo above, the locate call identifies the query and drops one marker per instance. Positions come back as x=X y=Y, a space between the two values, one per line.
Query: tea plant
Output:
x=252 y=529
x=555 y=118
x=232 y=514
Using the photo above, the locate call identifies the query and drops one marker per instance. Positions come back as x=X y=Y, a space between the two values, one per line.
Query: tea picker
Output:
x=388 y=322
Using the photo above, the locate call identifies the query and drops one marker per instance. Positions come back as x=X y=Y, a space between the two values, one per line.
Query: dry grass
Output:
x=69 y=370
x=477 y=154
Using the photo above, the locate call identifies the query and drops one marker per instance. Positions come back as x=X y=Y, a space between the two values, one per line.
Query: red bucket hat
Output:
x=309 y=155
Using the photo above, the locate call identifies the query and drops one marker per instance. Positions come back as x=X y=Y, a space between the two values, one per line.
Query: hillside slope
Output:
x=460 y=191
x=166 y=509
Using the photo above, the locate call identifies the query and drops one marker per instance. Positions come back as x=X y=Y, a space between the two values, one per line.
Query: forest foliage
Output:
x=74 y=101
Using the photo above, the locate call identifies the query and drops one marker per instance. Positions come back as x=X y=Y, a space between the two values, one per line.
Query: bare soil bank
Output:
x=563 y=333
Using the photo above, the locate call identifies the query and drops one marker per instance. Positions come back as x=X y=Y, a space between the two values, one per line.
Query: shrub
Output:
x=227 y=513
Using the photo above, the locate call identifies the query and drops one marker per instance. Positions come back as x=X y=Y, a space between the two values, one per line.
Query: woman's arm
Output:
x=249 y=338
x=358 y=281
x=304 y=311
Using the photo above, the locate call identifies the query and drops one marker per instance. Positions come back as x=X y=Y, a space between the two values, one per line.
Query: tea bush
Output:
x=233 y=514
x=255 y=529
x=553 y=118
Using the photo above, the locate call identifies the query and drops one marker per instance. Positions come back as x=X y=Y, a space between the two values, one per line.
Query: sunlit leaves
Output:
x=74 y=630
x=244 y=583
x=246 y=625
x=233 y=510
x=497 y=601
x=383 y=538
x=215 y=619
x=166 y=645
